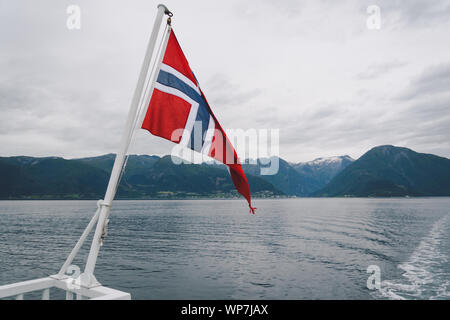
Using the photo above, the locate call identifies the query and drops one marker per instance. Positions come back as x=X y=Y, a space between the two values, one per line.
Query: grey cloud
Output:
x=433 y=80
x=422 y=11
x=224 y=92
x=67 y=93
x=379 y=69
x=411 y=13
x=431 y=110
x=325 y=112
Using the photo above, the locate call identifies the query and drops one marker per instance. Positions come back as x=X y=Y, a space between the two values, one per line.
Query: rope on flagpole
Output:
x=143 y=96
x=87 y=277
x=155 y=62
x=146 y=92
x=147 y=85
x=137 y=116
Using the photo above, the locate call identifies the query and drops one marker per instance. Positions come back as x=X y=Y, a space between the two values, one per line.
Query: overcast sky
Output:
x=312 y=69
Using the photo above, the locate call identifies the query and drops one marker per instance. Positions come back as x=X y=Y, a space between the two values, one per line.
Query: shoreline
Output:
x=220 y=198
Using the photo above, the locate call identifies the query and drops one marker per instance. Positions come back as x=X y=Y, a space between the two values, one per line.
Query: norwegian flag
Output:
x=179 y=112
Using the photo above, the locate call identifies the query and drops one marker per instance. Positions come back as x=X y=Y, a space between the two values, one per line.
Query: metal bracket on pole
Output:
x=168 y=13
x=105 y=226
x=166 y=10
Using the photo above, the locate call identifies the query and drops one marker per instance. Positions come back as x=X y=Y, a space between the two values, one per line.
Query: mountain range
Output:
x=382 y=171
x=388 y=171
x=301 y=179
x=145 y=177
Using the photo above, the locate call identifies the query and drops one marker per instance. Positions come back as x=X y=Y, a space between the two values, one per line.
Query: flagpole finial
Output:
x=166 y=10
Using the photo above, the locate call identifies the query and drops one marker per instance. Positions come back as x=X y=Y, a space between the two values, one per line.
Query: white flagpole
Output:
x=87 y=278
x=155 y=74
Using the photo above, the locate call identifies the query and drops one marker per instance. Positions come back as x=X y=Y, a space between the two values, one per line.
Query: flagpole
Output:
x=87 y=278
x=156 y=73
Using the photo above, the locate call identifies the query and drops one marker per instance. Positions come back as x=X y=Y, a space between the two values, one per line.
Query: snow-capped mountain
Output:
x=322 y=170
x=301 y=179
x=328 y=161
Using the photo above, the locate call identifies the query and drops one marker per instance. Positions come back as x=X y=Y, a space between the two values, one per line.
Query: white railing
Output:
x=19 y=289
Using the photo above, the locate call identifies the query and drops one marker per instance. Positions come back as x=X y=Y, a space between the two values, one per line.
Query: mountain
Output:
x=299 y=179
x=286 y=179
x=87 y=178
x=50 y=177
x=392 y=171
x=166 y=179
x=382 y=171
x=136 y=164
x=320 y=171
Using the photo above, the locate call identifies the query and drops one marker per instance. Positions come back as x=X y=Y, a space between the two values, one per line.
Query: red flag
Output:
x=178 y=103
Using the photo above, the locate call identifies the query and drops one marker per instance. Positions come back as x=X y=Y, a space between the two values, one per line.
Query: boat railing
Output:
x=73 y=291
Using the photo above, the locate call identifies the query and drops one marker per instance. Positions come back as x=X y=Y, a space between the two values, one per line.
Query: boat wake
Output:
x=426 y=274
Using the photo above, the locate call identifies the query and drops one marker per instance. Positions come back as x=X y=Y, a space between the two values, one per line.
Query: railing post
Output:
x=46 y=294
x=19 y=296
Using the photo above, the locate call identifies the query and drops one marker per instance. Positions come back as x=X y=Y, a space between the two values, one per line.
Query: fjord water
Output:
x=215 y=249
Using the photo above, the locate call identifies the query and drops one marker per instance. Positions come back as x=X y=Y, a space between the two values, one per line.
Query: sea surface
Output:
x=215 y=249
